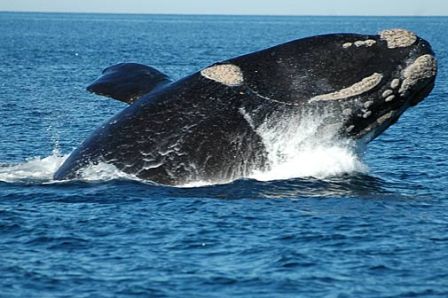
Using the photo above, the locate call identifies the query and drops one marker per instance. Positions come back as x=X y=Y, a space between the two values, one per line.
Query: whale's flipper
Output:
x=128 y=81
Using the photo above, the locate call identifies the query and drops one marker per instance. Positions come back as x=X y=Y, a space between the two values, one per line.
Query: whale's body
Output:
x=206 y=126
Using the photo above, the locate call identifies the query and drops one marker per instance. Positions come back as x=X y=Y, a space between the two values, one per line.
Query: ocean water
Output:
x=330 y=223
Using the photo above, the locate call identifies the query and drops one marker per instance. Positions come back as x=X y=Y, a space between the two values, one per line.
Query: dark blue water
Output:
x=376 y=233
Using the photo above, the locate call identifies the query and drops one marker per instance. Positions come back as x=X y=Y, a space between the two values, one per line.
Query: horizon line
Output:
x=218 y=14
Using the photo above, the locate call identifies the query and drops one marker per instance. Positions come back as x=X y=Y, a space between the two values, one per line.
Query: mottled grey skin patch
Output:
x=422 y=68
x=385 y=117
x=367 y=114
x=350 y=128
x=227 y=74
x=398 y=38
x=358 y=88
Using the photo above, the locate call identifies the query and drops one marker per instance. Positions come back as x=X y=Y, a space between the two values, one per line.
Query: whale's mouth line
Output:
x=383 y=120
x=389 y=117
x=252 y=91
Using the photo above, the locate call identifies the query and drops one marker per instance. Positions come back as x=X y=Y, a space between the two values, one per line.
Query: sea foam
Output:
x=298 y=146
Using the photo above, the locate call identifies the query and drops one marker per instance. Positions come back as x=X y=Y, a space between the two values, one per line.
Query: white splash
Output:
x=201 y=184
x=305 y=145
x=103 y=172
x=41 y=170
x=298 y=146
x=33 y=169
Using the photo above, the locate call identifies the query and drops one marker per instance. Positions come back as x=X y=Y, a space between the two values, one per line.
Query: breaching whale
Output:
x=206 y=125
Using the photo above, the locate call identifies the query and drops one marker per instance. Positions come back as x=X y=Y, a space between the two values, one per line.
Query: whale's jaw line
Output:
x=412 y=82
x=369 y=135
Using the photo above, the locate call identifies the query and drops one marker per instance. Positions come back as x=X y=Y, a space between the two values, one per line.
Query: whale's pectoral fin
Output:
x=128 y=81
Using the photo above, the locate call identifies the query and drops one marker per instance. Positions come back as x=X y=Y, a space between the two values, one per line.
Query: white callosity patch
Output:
x=395 y=83
x=359 y=43
x=423 y=67
x=389 y=98
x=227 y=74
x=365 y=43
x=368 y=104
x=387 y=92
x=398 y=38
x=358 y=88
x=367 y=114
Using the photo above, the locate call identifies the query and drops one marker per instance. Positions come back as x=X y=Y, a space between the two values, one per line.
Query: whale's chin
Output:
x=423 y=93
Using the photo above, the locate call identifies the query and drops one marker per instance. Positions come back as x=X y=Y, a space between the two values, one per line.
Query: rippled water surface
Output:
x=380 y=229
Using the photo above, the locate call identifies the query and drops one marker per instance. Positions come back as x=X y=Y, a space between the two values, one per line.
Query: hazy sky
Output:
x=265 y=7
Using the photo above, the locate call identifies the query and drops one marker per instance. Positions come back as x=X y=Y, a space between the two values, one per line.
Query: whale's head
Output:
x=365 y=81
x=402 y=71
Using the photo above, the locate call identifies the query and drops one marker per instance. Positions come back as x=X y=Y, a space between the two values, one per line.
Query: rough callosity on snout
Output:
x=398 y=38
x=423 y=67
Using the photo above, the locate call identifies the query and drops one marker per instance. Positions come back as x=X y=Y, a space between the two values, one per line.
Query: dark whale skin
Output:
x=197 y=128
x=167 y=139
